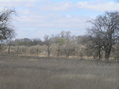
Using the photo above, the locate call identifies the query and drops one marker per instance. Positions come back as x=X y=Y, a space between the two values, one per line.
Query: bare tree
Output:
x=105 y=31
x=60 y=42
x=6 y=29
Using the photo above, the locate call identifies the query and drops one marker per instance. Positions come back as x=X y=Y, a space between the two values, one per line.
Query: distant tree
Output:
x=104 y=32
x=82 y=39
x=48 y=42
x=27 y=42
x=60 y=42
x=63 y=41
x=37 y=41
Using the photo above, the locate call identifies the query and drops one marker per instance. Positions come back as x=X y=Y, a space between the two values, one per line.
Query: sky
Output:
x=36 y=18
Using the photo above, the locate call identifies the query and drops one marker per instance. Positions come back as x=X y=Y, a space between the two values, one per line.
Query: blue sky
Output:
x=37 y=18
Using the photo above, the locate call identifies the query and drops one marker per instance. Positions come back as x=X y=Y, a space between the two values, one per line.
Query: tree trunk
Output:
x=9 y=49
x=0 y=46
x=107 y=52
x=107 y=55
x=58 y=52
x=99 y=53
x=37 y=50
x=48 y=51
x=18 y=50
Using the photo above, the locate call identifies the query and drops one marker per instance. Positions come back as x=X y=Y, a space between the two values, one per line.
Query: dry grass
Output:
x=44 y=73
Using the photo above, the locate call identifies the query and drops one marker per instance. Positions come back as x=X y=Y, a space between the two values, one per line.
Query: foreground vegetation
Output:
x=52 y=73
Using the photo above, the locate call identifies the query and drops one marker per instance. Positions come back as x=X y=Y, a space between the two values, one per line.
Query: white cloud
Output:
x=60 y=6
x=108 y=6
x=90 y=5
x=17 y=0
x=47 y=5
x=17 y=3
x=68 y=16
x=53 y=21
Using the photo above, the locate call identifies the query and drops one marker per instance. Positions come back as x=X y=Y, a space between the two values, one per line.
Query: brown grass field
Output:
x=51 y=73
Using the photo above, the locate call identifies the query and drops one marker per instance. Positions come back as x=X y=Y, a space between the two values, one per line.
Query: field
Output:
x=60 y=73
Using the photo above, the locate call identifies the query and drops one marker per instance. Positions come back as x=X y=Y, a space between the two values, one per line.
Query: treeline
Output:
x=61 y=45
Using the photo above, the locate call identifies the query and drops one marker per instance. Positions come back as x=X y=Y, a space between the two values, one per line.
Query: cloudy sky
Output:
x=37 y=18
